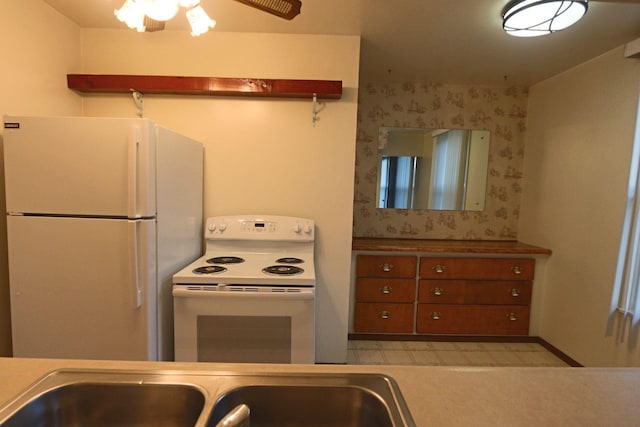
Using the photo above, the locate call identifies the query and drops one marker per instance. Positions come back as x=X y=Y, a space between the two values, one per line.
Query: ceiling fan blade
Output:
x=151 y=25
x=286 y=9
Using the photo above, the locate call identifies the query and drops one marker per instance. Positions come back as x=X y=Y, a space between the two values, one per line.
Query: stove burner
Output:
x=290 y=260
x=225 y=260
x=282 y=269
x=209 y=269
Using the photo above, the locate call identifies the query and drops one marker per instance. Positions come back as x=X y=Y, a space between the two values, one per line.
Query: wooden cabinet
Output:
x=477 y=268
x=385 y=290
x=386 y=266
x=509 y=292
x=385 y=294
x=489 y=296
x=452 y=319
x=383 y=317
x=415 y=294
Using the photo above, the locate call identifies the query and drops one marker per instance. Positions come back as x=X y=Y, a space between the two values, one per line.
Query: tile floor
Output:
x=362 y=352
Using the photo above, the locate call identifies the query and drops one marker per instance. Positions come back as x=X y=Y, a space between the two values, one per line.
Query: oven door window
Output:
x=244 y=339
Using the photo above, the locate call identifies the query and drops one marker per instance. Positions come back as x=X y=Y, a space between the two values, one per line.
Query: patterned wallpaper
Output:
x=501 y=110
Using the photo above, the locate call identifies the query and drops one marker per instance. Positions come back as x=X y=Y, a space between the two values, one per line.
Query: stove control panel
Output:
x=260 y=228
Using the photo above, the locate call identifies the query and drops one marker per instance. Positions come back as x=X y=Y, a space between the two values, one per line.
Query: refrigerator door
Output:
x=80 y=166
x=82 y=288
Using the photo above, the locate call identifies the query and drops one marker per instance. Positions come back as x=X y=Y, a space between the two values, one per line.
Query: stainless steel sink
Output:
x=309 y=406
x=202 y=399
x=111 y=405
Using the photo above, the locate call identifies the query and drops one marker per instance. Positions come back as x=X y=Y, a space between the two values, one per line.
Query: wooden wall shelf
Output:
x=208 y=86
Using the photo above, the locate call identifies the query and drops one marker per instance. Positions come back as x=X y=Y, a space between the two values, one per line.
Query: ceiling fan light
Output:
x=160 y=10
x=531 y=18
x=132 y=14
x=150 y=15
x=199 y=20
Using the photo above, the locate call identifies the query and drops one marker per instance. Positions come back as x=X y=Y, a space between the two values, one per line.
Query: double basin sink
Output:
x=170 y=398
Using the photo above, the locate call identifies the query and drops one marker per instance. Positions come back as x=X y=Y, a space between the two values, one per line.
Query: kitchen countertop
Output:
x=442 y=396
x=506 y=247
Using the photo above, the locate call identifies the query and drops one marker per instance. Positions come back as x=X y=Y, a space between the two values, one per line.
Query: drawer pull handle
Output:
x=385 y=314
x=438 y=291
x=512 y=317
x=386 y=267
x=386 y=289
x=435 y=315
x=514 y=292
x=516 y=269
x=439 y=268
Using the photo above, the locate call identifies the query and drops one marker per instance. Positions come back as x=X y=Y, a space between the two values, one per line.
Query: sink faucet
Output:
x=237 y=417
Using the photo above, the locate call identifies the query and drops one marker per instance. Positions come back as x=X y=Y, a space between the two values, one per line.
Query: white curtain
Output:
x=448 y=172
x=624 y=314
x=404 y=182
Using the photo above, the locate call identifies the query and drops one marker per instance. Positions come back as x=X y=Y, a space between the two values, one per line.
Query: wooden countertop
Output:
x=435 y=395
x=508 y=247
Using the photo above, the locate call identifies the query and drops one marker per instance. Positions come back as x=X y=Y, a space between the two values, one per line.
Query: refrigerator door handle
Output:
x=133 y=262
x=134 y=142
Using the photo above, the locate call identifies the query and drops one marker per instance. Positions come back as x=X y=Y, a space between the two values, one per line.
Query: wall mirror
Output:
x=441 y=169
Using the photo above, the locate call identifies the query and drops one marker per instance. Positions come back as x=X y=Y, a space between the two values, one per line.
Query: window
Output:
x=625 y=303
x=397 y=181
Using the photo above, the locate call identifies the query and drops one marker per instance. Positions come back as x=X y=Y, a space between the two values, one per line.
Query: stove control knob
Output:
x=212 y=227
x=308 y=229
x=297 y=229
x=222 y=227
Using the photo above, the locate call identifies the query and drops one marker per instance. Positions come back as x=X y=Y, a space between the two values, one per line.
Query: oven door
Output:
x=244 y=324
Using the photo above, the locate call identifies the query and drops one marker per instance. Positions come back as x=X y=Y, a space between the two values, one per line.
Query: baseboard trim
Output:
x=559 y=354
x=471 y=338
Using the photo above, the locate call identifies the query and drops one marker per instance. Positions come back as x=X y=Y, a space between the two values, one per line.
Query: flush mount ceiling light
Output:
x=532 y=18
x=150 y=15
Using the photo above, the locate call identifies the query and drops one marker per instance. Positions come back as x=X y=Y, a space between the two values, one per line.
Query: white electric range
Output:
x=251 y=296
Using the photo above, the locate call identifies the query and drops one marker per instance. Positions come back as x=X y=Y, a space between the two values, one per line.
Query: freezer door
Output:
x=80 y=166
x=82 y=288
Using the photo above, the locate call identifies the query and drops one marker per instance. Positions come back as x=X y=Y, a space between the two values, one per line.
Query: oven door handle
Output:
x=304 y=294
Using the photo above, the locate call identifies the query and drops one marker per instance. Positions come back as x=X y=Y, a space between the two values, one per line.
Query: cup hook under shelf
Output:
x=317 y=107
x=138 y=100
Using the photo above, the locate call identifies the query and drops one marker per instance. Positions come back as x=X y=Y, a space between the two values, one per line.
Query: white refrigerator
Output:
x=101 y=212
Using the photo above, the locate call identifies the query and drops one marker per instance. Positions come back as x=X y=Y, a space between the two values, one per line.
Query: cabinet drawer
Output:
x=473 y=319
x=385 y=290
x=475 y=292
x=386 y=266
x=383 y=318
x=477 y=268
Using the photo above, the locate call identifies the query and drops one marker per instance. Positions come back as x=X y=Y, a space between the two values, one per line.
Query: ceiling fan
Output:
x=287 y=9
x=151 y=15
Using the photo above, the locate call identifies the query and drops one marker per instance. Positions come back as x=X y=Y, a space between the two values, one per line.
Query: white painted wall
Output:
x=39 y=47
x=579 y=138
x=261 y=155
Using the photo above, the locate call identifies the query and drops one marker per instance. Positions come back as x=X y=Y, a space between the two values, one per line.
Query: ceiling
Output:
x=448 y=41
